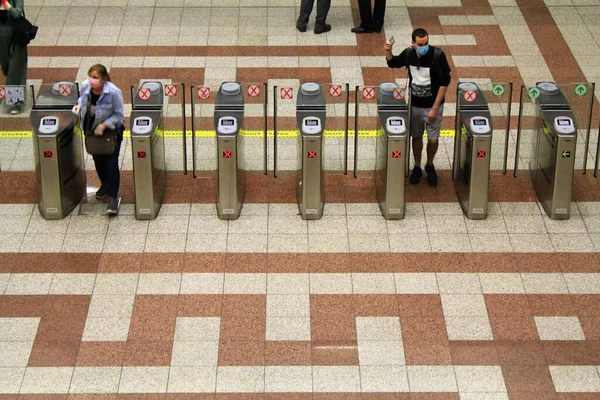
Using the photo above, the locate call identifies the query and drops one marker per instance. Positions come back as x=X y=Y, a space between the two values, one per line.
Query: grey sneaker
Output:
x=15 y=109
x=113 y=205
x=102 y=191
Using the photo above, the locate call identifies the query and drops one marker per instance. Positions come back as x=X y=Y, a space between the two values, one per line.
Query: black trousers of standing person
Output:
x=306 y=7
x=107 y=168
x=371 y=20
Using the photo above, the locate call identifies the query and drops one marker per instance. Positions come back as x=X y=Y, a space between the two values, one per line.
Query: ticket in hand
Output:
x=392 y=40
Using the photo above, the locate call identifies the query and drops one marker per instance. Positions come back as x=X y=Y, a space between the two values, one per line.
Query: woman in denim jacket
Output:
x=106 y=111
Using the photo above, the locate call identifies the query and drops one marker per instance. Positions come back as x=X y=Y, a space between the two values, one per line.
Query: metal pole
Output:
x=132 y=95
x=409 y=138
x=266 y=126
x=457 y=138
x=193 y=104
x=275 y=131
x=589 y=129
x=507 y=136
x=184 y=133
x=356 y=131
x=516 y=171
x=597 y=164
x=346 y=129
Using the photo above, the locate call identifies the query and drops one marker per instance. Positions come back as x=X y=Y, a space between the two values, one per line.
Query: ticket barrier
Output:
x=148 y=149
x=393 y=119
x=231 y=179
x=472 y=147
x=58 y=150
x=553 y=161
x=310 y=117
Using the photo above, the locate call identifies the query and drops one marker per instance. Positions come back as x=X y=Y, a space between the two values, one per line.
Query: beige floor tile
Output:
x=197 y=329
x=240 y=379
x=371 y=352
x=192 y=380
x=144 y=380
x=95 y=380
x=53 y=380
x=29 y=284
x=431 y=379
x=336 y=379
x=559 y=328
x=383 y=379
x=288 y=328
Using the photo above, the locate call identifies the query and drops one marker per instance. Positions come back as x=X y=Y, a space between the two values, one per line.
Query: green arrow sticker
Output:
x=498 y=89
x=534 y=92
x=566 y=154
x=581 y=89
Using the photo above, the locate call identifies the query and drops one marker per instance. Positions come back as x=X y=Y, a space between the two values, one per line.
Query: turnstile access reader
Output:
x=310 y=116
x=553 y=162
x=148 y=149
x=393 y=120
x=58 y=150
x=231 y=179
x=472 y=147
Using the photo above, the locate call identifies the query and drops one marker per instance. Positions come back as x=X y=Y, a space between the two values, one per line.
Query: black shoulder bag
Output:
x=104 y=145
x=23 y=31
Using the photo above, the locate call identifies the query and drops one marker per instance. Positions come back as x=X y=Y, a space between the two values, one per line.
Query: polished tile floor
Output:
x=432 y=307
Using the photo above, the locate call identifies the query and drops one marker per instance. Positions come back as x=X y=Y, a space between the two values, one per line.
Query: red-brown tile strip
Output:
x=292 y=262
x=184 y=189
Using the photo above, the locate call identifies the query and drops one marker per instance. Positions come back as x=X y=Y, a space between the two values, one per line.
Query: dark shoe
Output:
x=377 y=30
x=360 y=29
x=113 y=205
x=102 y=191
x=432 y=177
x=301 y=28
x=416 y=175
x=326 y=28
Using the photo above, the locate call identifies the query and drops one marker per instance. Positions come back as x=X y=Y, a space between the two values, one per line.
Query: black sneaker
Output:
x=301 y=28
x=326 y=28
x=113 y=205
x=432 y=177
x=102 y=191
x=416 y=175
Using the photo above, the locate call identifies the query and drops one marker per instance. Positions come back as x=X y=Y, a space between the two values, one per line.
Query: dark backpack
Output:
x=23 y=31
x=437 y=54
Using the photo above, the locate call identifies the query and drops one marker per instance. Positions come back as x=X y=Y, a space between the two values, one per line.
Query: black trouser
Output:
x=306 y=7
x=372 y=20
x=107 y=168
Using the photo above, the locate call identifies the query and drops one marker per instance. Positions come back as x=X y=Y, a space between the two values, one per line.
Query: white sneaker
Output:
x=113 y=205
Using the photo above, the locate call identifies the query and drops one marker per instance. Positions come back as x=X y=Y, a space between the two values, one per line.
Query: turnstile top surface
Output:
x=148 y=95
x=551 y=97
x=471 y=97
x=56 y=96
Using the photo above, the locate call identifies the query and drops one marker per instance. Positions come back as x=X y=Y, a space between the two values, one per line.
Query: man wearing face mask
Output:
x=429 y=77
x=101 y=107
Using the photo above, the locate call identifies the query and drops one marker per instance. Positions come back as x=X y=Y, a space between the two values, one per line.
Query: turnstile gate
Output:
x=472 y=147
x=148 y=149
x=58 y=150
x=553 y=162
x=231 y=179
x=310 y=117
x=393 y=120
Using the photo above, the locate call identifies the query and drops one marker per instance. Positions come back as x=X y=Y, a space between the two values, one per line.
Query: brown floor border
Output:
x=20 y=187
x=299 y=262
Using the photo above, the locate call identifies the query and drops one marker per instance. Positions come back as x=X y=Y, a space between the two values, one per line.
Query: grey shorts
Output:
x=419 y=123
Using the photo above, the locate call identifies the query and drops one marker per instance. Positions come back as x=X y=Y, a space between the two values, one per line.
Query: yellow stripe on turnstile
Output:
x=250 y=134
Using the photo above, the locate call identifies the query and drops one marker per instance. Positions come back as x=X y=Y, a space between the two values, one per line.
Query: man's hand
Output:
x=432 y=116
x=388 y=49
x=99 y=131
x=76 y=108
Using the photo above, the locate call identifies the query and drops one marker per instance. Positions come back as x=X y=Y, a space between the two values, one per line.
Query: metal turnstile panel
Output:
x=311 y=194
x=231 y=178
x=59 y=166
x=149 y=166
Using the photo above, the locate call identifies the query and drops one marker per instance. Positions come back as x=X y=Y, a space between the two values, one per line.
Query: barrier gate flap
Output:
x=578 y=99
x=498 y=96
x=367 y=129
x=208 y=105
x=328 y=104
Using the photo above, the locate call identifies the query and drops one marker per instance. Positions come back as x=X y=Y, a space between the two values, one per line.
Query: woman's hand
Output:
x=5 y=5
x=76 y=109
x=99 y=131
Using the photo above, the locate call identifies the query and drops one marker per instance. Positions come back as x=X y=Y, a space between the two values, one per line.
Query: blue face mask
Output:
x=423 y=50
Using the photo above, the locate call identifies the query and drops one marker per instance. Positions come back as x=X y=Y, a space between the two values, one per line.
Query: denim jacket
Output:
x=109 y=109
